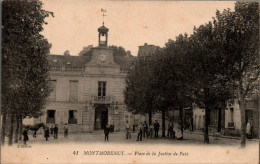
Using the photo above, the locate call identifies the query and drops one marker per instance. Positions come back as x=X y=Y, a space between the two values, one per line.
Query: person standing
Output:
x=47 y=133
x=128 y=133
x=170 y=130
x=106 y=131
x=145 y=129
x=156 y=129
x=248 y=130
x=140 y=132
x=55 y=129
x=51 y=129
x=66 y=130
x=25 y=135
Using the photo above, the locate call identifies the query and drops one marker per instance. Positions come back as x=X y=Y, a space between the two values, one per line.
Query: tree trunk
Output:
x=10 y=141
x=20 y=128
x=16 y=130
x=207 y=121
x=150 y=117
x=219 y=119
x=163 y=123
x=3 y=128
x=243 y=123
x=181 y=118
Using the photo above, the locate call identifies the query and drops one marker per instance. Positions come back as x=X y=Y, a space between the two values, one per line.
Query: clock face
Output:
x=102 y=57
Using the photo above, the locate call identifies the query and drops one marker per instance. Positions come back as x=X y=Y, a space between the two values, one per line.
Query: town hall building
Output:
x=87 y=91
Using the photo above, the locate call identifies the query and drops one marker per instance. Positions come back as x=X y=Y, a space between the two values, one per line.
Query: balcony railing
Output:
x=102 y=99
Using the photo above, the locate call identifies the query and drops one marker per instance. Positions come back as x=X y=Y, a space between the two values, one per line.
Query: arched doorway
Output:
x=101 y=117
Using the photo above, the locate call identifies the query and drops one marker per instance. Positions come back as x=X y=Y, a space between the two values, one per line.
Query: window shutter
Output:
x=57 y=117
x=66 y=117
x=79 y=118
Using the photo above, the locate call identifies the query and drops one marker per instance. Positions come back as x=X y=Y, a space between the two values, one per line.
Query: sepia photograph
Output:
x=136 y=82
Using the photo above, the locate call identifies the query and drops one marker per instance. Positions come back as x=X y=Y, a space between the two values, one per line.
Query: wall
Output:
x=236 y=116
x=198 y=118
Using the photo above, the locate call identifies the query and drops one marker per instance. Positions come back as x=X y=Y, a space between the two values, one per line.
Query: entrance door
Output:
x=101 y=117
x=104 y=119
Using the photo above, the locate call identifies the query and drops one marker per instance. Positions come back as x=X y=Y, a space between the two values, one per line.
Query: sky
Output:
x=130 y=23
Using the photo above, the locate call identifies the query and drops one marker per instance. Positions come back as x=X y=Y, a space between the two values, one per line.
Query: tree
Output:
x=239 y=36
x=208 y=65
x=24 y=64
x=139 y=94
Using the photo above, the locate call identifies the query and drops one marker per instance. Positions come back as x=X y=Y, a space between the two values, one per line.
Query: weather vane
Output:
x=103 y=14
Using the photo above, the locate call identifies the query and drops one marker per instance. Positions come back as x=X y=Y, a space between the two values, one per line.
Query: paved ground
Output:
x=119 y=137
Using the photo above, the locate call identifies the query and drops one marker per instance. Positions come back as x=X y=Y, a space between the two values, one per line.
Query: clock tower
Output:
x=102 y=60
x=102 y=33
x=102 y=36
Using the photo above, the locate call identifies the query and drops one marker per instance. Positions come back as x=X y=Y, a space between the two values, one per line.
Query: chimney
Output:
x=128 y=53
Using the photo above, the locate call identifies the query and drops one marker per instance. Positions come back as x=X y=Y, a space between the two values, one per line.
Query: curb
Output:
x=221 y=136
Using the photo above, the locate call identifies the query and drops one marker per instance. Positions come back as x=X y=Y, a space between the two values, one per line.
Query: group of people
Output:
x=145 y=131
x=53 y=130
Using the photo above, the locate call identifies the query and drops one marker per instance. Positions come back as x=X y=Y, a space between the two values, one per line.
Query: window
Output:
x=101 y=89
x=73 y=90
x=53 y=87
x=231 y=115
x=126 y=118
x=72 y=117
x=50 y=117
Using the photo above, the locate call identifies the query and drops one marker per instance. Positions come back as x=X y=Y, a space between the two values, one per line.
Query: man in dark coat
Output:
x=55 y=129
x=156 y=129
x=106 y=131
x=140 y=132
x=25 y=135
x=47 y=133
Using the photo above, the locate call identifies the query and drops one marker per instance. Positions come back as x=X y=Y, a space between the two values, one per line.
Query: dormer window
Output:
x=54 y=60
x=68 y=63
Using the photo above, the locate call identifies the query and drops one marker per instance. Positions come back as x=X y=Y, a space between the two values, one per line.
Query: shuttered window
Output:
x=73 y=90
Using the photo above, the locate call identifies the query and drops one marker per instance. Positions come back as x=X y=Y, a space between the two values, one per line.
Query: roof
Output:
x=79 y=61
x=75 y=61
x=103 y=29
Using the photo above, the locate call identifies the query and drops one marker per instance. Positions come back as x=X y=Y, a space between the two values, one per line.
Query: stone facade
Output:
x=87 y=91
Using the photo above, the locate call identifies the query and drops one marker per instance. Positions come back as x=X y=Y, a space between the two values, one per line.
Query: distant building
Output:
x=147 y=50
x=233 y=117
x=230 y=118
